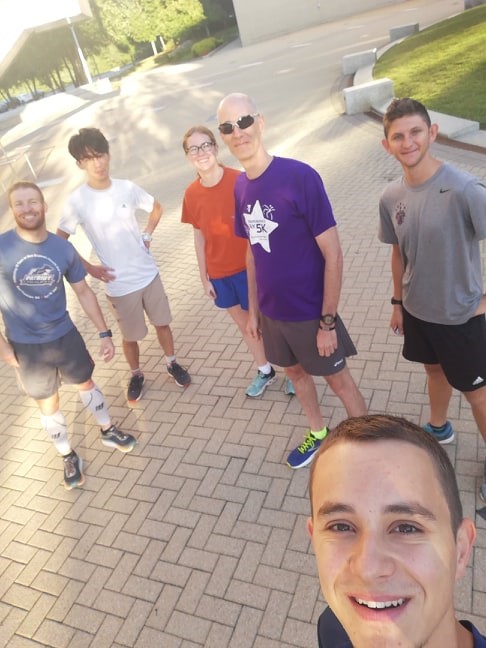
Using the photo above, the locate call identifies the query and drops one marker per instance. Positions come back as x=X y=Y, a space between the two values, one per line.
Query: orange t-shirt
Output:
x=212 y=210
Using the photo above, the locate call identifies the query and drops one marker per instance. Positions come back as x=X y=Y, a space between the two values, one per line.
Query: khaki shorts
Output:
x=290 y=343
x=129 y=310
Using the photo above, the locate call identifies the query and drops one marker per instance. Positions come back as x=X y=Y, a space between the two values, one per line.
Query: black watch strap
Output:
x=396 y=302
x=106 y=333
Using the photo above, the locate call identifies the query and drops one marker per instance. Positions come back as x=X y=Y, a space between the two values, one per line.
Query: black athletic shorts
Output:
x=460 y=349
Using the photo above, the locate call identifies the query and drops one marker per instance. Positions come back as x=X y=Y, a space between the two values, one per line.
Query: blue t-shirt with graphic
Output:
x=32 y=292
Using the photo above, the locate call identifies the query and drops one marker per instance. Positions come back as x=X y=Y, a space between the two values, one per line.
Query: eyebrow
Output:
x=409 y=508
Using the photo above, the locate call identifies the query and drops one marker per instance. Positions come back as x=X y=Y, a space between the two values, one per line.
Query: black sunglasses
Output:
x=227 y=127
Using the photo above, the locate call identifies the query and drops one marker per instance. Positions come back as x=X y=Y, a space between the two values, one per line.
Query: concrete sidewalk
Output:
x=198 y=537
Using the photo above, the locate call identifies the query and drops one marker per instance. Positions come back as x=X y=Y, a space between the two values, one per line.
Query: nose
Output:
x=408 y=141
x=237 y=131
x=370 y=558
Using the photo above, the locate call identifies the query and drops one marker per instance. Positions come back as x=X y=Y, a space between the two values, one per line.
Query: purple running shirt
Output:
x=281 y=212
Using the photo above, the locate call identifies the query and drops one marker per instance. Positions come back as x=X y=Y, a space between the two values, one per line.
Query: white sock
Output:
x=94 y=401
x=170 y=359
x=266 y=368
x=56 y=428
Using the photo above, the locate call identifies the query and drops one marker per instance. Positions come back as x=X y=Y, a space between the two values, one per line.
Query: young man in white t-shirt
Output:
x=105 y=208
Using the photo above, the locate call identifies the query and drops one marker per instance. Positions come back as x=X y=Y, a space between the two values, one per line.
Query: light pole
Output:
x=80 y=52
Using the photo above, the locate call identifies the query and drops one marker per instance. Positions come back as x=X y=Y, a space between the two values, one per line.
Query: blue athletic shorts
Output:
x=231 y=291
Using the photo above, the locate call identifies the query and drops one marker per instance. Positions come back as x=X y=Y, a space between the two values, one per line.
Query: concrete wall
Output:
x=262 y=19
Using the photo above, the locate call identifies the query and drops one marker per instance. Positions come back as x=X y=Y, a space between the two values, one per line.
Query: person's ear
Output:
x=466 y=535
x=384 y=143
x=433 y=132
x=310 y=527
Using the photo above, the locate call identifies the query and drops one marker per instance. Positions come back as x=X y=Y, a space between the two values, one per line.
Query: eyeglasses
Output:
x=227 y=127
x=204 y=148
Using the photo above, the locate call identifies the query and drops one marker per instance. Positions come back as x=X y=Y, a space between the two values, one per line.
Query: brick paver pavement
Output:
x=198 y=537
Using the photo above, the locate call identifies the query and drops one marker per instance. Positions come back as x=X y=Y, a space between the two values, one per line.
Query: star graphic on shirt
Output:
x=259 y=227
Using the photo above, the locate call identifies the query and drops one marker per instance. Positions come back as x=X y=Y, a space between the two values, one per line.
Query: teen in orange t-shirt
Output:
x=209 y=207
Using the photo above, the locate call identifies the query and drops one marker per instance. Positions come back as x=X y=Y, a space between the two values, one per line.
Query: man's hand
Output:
x=107 y=350
x=253 y=326
x=101 y=272
x=481 y=309
x=326 y=342
x=396 y=321
x=209 y=289
x=8 y=356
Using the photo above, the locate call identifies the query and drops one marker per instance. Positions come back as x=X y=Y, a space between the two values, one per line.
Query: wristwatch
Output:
x=146 y=237
x=329 y=322
x=105 y=334
x=396 y=302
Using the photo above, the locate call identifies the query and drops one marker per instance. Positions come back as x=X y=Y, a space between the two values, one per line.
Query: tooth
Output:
x=380 y=605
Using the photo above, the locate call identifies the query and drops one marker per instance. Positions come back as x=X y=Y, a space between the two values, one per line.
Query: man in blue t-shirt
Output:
x=294 y=266
x=41 y=342
x=390 y=538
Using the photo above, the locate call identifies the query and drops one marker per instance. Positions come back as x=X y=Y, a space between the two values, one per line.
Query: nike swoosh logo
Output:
x=443 y=190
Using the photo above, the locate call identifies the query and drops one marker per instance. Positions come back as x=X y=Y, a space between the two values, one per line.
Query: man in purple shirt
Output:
x=294 y=265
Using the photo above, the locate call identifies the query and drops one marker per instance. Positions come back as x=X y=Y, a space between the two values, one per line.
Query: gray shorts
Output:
x=43 y=366
x=290 y=343
x=129 y=310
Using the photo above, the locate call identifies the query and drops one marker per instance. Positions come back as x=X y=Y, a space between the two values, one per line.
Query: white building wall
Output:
x=262 y=19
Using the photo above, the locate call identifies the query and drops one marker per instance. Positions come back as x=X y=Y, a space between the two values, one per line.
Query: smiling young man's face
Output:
x=386 y=553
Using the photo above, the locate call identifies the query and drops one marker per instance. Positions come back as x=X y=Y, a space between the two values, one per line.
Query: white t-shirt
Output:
x=107 y=216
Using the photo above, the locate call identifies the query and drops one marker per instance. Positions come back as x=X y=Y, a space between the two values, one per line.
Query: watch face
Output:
x=328 y=320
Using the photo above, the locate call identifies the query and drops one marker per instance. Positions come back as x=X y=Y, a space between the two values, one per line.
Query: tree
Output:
x=180 y=16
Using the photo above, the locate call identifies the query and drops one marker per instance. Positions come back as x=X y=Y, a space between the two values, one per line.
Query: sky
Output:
x=18 y=18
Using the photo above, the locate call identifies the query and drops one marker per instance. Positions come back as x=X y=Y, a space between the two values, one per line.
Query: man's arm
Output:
x=253 y=326
x=330 y=248
x=7 y=353
x=199 y=244
x=90 y=305
x=397 y=268
x=153 y=221
x=101 y=272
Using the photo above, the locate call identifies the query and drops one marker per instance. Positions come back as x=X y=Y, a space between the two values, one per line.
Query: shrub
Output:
x=206 y=45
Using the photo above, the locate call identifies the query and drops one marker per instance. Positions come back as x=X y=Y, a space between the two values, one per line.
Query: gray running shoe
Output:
x=73 y=474
x=115 y=438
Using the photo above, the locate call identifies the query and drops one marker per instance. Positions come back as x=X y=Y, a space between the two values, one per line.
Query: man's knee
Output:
x=340 y=380
x=295 y=372
x=476 y=398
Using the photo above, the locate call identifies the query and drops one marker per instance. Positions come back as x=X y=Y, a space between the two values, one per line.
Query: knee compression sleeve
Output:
x=56 y=428
x=94 y=401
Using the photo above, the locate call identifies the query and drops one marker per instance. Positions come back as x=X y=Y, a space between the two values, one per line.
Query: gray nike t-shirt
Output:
x=438 y=226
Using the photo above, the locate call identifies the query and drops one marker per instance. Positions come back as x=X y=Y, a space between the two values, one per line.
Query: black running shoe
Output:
x=135 y=388
x=180 y=375
x=115 y=438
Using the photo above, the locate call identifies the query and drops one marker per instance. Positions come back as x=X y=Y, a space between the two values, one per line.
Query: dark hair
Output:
x=198 y=129
x=401 y=108
x=380 y=427
x=23 y=185
x=88 y=143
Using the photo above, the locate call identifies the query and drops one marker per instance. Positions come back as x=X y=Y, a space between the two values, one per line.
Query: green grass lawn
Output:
x=443 y=66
